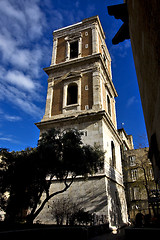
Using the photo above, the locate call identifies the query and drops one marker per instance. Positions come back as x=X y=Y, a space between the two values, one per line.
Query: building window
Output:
x=113 y=154
x=72 y=94
x=136 y=193
x=73 y=49
x=134 y=174
x=132 y=160
x=86 y=87
x=109 y=105
x=86 y=107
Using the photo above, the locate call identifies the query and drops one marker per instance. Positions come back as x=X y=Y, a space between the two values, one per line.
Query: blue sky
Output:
x=26 y=28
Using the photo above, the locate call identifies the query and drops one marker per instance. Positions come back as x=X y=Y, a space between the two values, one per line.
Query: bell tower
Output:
x=81 y=95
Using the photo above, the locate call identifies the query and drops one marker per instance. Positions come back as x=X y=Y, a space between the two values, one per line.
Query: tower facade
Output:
x=81 y=95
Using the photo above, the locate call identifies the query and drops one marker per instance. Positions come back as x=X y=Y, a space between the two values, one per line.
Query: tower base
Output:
x=98 y=195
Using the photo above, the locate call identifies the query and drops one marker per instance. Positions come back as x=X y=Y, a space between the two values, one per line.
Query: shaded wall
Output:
x=144 y=25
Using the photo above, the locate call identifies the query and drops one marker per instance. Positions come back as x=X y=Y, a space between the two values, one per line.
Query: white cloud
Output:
x=12 y=118
x=10 y=10
x=23 y=15
x=9 y=139
x=29 y=107
x=77 y=4
x=120 y=49
x=131 y=101
x=22 y=100
x=20 y=80
x=24 y=47
x=7 y=45
x=22 y=24
x=8 y=117
x=6 y=139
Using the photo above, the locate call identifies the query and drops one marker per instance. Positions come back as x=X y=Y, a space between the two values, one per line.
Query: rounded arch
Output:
x=72 y=93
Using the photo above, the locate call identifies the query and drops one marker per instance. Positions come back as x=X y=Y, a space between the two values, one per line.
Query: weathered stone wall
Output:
x=89 y=194
x=98 y=195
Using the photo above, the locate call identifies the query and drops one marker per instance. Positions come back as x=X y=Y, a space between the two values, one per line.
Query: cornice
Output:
x=93 y=57
x=81 y=117
x=85 y=23
x=71 y=62
x=73 y=117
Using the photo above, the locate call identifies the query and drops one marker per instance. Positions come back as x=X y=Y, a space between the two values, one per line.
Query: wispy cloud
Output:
x=20 y=80
x=120 y=49
x=21 y=100
x=132 y=100
x=9 y=117
x=24 y=47
x=8 y=138
x=69 y=12
x=12 y=118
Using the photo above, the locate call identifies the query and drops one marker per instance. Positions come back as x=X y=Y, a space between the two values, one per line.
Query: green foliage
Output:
x=28 y=174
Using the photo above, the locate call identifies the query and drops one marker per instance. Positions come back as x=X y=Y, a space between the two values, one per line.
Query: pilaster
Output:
x=49 y=99
x=95 y=42
x=96 y=76
x=54 y=52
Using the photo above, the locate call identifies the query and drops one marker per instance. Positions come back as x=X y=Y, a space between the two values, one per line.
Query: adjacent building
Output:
x=139 y=182
x=141 y=23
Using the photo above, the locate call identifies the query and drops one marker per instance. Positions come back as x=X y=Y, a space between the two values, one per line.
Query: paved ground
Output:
x=120 y=235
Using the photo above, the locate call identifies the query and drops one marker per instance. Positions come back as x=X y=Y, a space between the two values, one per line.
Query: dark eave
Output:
x=120 y=12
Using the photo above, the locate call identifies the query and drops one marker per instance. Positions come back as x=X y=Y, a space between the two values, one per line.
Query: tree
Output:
x=28 y=174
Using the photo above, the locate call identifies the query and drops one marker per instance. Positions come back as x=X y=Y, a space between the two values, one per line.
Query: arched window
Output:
x=109 y=105
x=72 y=94
x=113 y=154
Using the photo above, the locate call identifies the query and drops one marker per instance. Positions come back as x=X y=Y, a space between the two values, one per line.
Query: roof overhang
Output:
x=120 y=11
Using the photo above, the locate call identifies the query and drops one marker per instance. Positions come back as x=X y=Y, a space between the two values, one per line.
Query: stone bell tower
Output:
x=81 y=95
